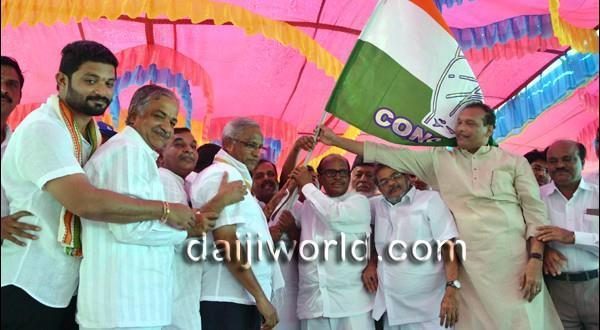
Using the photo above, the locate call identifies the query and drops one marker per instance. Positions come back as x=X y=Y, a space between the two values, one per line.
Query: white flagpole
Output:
x=288 y=202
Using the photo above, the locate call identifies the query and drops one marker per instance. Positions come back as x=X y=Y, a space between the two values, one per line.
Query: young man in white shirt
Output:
x=12 y=89
x=235 y=293
x=571 y=259
x=406 y=290
x=42 y=172
x=178 y=159
x=330 y=291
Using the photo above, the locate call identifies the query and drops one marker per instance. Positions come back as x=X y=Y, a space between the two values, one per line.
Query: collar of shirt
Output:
x=7 y=134
x=551 y=188
x=223 y=157
x=480 y=152
x=131 y=134
x=408 y=198
x=179 y=179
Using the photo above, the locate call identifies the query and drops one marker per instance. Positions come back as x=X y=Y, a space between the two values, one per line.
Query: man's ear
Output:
x=62 y=81
x=131 y=117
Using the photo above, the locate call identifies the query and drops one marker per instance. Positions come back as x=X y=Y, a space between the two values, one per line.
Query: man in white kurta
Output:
x=496 y=203
x=236 y=296
x=330 y=292
x=180 y=156
x=126 y=274
x=408 y=291
x=571 y=261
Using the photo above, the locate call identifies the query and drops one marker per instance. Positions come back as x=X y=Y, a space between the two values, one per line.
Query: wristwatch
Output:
x=455 y=284
x=535 y=255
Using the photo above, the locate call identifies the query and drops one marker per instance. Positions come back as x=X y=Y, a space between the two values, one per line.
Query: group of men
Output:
x=99 y=236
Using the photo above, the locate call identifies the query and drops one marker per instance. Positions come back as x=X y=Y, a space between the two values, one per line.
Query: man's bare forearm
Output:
x=450 y=262
x=355 y=147
x=240 y=269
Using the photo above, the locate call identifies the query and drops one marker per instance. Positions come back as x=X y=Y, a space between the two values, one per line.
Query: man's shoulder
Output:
x=427 y=195
x=217 y=169
x=42 y=120
x=119 y=147
x=355 y=196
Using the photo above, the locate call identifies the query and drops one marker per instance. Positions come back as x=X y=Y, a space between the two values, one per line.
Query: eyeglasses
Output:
x=394 y=177
x=251 y=145
x=333 y=173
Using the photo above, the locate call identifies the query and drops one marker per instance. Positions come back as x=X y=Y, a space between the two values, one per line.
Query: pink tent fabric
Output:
x=234 y=74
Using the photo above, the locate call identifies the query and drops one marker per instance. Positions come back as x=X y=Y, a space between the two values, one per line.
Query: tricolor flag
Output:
x=406 y=78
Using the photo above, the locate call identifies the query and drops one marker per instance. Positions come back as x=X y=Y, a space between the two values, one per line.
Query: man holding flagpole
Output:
x=420 y=90
x=495 y=200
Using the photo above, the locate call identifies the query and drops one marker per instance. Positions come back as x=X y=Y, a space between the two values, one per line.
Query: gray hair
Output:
x=233 y=128
x=144 y=95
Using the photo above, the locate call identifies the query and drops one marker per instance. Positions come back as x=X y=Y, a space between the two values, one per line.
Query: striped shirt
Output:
x=126 y=275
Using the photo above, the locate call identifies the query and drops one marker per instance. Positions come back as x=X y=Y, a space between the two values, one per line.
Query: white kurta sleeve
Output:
x=587 y=241
x=440 y=219
x=528 y=192
x=352 y=215
x=206 y=186
x=126 y=171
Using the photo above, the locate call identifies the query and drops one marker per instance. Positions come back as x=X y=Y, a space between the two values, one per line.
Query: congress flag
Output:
x=406 y=78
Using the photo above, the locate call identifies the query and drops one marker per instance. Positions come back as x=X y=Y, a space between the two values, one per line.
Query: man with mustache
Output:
x=178 y=159
x=264 y=181
x=12 y=89
x=127 y=164
x=537 y=160
x=571 y=260
x=236 y=290
x=42 y=172
x=330 y=292
x=363 y=177
x=407 y=290
x=496 y=203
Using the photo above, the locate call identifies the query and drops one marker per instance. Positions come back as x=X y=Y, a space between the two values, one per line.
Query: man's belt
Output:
x=577 y=277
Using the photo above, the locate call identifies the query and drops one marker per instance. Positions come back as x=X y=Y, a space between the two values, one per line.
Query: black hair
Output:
x=11 y=62
x=206 y=155
x=359 y=161
x=535 y=155
x=179 y=130
x=262 y=161
x=490 y=116
x=79 y=52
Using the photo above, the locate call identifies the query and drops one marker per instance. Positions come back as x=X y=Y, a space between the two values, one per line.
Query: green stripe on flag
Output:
x=379 y=96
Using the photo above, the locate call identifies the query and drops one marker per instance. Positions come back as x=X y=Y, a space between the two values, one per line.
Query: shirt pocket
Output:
x=503 y=186
x=590 y=223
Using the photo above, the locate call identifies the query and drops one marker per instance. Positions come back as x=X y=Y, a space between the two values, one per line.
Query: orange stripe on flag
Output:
x=430 y=8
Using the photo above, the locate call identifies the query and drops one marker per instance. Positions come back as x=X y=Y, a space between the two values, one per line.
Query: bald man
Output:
x=571 y=260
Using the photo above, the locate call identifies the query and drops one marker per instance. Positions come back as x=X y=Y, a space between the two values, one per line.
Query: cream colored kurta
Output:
x=496 y=203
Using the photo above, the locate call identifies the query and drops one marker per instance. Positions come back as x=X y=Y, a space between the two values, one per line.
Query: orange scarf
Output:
x=69 y=229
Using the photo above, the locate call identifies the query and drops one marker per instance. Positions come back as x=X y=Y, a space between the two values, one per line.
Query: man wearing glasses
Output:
x=237 y=290
x=330 y=290
x=407 y=291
